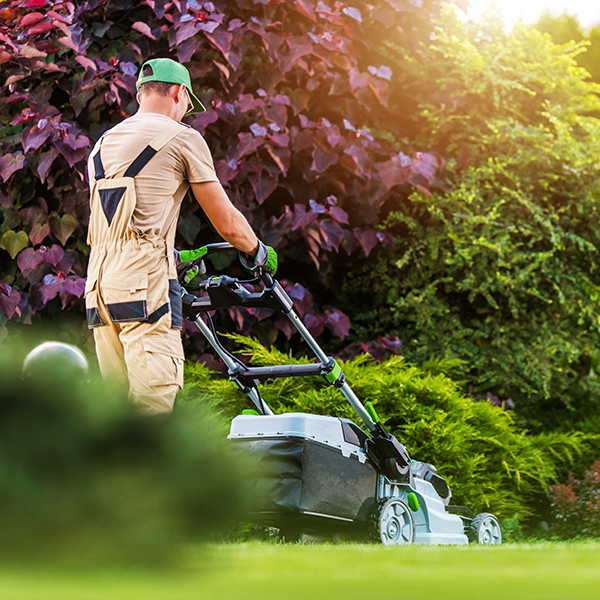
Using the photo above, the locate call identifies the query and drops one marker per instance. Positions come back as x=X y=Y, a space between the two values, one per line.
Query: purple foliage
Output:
x=293 y=94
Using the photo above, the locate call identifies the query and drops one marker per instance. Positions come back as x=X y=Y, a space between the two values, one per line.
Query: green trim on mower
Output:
x=372 y=412
x=334 y=374
x=413 y=501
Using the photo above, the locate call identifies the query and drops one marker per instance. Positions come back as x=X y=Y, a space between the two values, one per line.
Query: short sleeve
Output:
x=198 y=159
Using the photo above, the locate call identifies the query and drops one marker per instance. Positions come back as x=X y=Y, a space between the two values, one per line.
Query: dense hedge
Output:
x=294 y=92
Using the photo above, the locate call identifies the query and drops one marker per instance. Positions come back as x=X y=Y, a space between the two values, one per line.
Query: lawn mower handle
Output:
x=219 y=247
x=224 y=291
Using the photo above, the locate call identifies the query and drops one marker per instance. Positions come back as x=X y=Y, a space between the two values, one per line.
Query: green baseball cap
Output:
x=169 y=71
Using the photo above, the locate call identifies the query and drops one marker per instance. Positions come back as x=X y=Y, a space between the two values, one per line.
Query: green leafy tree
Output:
x=498 y=267
x=565 y=29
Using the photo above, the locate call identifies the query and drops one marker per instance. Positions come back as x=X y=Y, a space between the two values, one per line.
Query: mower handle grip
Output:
x=218 y=247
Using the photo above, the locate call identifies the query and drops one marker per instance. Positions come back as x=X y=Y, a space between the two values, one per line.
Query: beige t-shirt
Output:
x=185 y=159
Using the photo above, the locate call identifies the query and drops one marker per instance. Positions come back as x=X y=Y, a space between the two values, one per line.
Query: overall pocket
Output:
x=164 y=356
x=125 y=297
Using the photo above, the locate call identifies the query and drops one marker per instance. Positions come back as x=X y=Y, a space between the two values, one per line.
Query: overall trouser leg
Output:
x=146 y=358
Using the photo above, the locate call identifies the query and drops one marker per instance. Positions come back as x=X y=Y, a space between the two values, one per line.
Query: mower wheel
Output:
x=485 y=529
x=392 y=523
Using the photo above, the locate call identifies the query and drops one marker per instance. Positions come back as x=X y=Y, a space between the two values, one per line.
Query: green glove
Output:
x=189 y=263
x=266 y=258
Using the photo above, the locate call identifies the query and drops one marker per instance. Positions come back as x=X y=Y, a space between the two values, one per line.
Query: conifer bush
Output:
x=489 y=463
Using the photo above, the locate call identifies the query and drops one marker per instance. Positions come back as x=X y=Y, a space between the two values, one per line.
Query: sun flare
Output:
x=587 y=12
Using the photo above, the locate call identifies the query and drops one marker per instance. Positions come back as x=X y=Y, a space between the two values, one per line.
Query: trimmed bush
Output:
x=498 y=266
x=490 y=464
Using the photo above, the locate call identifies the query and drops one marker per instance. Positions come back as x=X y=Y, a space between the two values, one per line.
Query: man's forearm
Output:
x=228 y=220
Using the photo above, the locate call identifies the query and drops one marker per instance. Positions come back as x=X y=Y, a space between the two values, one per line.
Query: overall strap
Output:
x=151 y=149
x=98 y=166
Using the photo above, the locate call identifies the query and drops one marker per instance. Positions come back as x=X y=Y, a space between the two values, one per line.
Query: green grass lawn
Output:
x=307 y=572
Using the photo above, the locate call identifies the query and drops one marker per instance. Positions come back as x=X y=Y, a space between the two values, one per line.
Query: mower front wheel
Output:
x=485 y=529
x=392 y=523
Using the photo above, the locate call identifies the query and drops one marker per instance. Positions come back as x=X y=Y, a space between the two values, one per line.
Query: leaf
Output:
x=46 y=160
x=301 y=297
x=339 y=214
x=86 y=63
x=248 y=143
x=51 y=255
x=366 y=238
x=338 y=322
x=315 y=323
x=31 y=19
x=68 y=42
x=9 y=300
x=9 y=163
x=35 y=137
x=38 y=233
x=144 y=29
x=41 y=27
x=263 y=186
x=222 y=41
x=306 y=8
x=73 y=156
x=30 y=51
x=392 y=173
x=332 y=233
x=74 y=286
x=13 y=242
x=281 y=156
x=322 y=160
x=423 y=169
x=62 y=227
x=50 y=290
x=28 y=260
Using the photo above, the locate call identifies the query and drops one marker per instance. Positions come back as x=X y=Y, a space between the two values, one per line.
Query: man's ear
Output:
x=180 y=93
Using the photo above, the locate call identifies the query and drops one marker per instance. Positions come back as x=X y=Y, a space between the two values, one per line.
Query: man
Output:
x=139 y=172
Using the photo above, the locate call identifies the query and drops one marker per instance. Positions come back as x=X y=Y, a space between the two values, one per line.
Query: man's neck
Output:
x=159 y=105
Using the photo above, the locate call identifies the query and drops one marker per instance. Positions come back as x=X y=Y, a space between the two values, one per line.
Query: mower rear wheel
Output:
x=485 y=529
x=392 y=523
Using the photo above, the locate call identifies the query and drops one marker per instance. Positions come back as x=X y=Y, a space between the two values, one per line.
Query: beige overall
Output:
x=132 y=296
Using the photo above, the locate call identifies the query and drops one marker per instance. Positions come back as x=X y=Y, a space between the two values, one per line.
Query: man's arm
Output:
x=227 y=219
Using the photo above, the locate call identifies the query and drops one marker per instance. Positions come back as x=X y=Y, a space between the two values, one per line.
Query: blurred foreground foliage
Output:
x=490 y=464
x=498 y=267
x=85 y=479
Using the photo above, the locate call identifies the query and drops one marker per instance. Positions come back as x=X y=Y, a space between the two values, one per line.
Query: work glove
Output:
x=189 y=264
x=266 y=258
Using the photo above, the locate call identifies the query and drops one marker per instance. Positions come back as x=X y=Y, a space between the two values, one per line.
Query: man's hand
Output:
x=189 y=263
x=266 y=258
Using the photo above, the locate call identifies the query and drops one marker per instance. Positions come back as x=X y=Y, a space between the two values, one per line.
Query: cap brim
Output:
x=198 y=106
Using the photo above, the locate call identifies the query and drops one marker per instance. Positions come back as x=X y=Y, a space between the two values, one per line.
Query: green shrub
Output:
x=499 y=266
x=490 y=464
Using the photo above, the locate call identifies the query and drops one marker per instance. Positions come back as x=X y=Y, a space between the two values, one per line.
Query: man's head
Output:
x=167 y=79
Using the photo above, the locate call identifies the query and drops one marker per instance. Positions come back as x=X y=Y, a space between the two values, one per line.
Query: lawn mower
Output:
x=323 y=475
